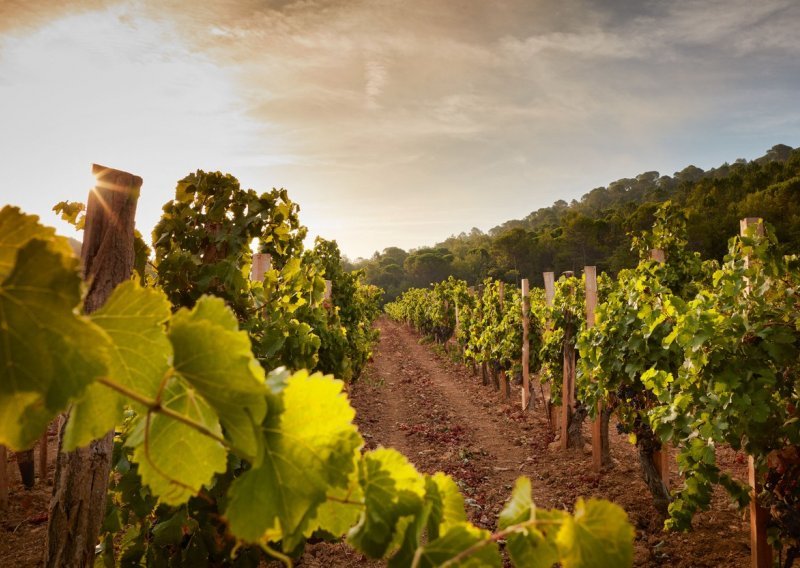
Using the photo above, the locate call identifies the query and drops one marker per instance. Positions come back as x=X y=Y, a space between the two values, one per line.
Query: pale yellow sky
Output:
x=391 y=123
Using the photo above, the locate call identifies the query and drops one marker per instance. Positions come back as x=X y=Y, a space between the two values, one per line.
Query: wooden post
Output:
x=760 y=550
x=328 y=290
x=590 y=274
x=43 y=456
x=526 y=346
x=3 y=479
x=262 y=263
x=658 y=255
x=26 y=468
x=77 y=507
x=661 y=457
x=549 y=287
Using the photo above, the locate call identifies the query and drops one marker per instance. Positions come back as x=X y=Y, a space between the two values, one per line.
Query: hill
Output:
x=597 y=229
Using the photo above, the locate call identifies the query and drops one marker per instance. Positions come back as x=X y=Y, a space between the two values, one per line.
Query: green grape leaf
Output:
x=176 y=460
x=598 y=535
x=92 y=416
x=139 y=357
x=393 y=490
x=408 y=537
x=134 y=318
x=17 y=229
x=45 y=348
x=310 y=441
x=342 y=507
x=458 y=540
x=216 y=359
x=23 y=419
x=447 y=504
x=535 y=544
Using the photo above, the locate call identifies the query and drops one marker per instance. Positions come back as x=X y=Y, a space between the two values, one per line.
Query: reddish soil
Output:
x=440 y=415
x=435 y=411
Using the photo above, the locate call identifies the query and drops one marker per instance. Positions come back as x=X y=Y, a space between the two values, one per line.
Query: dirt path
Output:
x=409 y=401
x=438 y=414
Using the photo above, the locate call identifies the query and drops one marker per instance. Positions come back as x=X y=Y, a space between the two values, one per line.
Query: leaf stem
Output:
x=346 y=501
x=277 y=555
x=156 y=406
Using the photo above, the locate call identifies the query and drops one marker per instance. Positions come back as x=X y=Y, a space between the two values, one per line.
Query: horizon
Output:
x=389 y=124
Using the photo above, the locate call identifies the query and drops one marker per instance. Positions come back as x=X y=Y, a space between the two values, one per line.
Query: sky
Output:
x=391 y=123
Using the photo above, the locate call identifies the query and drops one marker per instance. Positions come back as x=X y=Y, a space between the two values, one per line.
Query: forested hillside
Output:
x=596 y=230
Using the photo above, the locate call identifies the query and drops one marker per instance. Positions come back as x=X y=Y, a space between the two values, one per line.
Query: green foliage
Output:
x=202 y=242
x=540 y=538
x=632 y=322
x=290 y=436
x=489 y=330
x=348 y=336
x=696 y=355
x=43 y=357
x=566 y=318
x=738 y=385
x=431 y=311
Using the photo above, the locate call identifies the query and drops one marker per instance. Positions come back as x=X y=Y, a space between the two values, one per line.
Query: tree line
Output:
x=597 y=229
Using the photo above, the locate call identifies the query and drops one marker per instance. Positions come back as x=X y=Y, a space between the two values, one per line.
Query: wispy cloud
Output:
x=499 y=106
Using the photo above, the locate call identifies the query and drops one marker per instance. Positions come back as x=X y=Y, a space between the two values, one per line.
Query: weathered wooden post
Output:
x=77 y=507
x=328 y=290
x=527 y=393
x=553 y=413
x=760 y=550
x=262 y=263
x=661 y=457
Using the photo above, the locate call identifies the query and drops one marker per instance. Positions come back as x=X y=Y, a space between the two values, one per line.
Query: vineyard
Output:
x=690 y=357
x=416 y=284
x=199 y=421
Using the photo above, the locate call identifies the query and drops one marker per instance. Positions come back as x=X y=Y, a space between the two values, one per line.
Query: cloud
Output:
x=505 y=105
x=375 y=76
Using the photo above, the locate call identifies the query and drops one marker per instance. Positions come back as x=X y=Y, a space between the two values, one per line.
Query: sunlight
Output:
x=115 y=87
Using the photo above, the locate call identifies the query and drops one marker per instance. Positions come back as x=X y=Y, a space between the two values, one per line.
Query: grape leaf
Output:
x=533 y=545
x=17 y=229
x=215 y=358
x=134 y=318
x=176 y=459
x=93 y=415
x=393 y=490
x=342 y=506
x=310 y=441
x=448 y=504
x=458 y=539
x=45 y=348
x=598 y=535
x=139 y=357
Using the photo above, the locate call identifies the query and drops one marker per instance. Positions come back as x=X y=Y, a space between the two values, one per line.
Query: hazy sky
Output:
x=390 y=122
